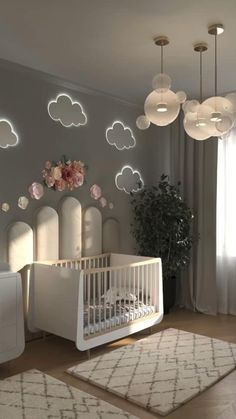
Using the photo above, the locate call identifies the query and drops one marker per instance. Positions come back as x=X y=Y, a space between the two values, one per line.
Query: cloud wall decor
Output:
x=129 y=180
x=120 y=136
x=67 y=111
x=8 y=136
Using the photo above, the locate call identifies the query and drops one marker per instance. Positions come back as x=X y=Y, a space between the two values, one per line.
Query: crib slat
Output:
x=100 y=274
x=142 y=274
x=110 y=309
x=138 y=291
x=94 y=302
x=88 y=284
x=105 y=311
x=127 y=285
x=151 y=284
x=119 y=280
x=146 y=278
x=134 y=271
x=115 y=288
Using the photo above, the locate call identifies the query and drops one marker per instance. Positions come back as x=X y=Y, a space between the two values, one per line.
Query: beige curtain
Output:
x=194 y=163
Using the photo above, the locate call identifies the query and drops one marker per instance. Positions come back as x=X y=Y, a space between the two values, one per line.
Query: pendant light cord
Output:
x=200 y=76
x=162 y=53
x=216 y=73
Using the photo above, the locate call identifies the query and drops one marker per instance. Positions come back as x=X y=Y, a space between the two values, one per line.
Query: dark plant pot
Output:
x=169 y=293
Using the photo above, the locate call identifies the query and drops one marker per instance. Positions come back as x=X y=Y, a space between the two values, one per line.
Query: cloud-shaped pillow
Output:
x=67 y=111
x=8 y=137
x=120 y=136
x=129 y=180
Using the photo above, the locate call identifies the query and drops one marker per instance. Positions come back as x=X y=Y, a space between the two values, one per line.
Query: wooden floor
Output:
x=54 y=355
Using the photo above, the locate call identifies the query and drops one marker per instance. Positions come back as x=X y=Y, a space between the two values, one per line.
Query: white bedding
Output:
x=127 y=315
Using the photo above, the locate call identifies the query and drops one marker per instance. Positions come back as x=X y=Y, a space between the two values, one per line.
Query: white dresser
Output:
x=12 y=340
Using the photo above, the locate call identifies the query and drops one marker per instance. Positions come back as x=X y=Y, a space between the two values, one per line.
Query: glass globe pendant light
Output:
x=162 y=105
x=221 y=111
x=196 y=119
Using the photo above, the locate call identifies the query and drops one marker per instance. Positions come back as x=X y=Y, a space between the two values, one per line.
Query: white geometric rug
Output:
x=163 y=371
x=34 y=395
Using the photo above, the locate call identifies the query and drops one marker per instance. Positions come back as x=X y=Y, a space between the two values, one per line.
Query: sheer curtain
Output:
x=226 y=224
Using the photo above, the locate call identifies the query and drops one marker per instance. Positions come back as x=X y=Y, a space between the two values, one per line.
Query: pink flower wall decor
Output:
x=5 y=207
x=95 y=192
x=36 y=190
x=64 y=174
x=103 y=202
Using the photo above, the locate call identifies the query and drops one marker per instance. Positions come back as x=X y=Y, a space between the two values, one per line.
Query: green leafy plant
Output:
x=162 y=225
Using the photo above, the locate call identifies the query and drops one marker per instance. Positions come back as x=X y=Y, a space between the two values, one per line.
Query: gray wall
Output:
x=23 y=100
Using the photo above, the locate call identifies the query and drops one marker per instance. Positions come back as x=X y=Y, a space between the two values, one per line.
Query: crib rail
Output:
x=114 y=296
x=98 y=261
x=95 y=300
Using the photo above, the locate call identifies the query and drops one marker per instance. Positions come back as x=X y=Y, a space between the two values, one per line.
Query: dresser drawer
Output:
x=8 y=340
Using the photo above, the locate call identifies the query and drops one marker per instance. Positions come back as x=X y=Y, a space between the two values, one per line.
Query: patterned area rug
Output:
x=34 y=395
x=162 y=371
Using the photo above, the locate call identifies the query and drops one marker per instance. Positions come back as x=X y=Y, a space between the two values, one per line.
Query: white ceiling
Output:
x=107 y=44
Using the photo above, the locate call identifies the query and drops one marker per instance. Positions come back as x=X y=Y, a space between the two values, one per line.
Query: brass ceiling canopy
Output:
x=200 y=47
x=161 y=41
x=216 y=29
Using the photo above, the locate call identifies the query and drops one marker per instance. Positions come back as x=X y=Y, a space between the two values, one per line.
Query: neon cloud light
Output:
x=129 y=180
x=67 y=111
x=120 y=136
x=8 y=136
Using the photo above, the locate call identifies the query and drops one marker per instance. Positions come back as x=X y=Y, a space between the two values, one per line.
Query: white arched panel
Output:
x=47 y=234
x=111 y=236
x=70 y=228
x=92 y=232
x=20 y=245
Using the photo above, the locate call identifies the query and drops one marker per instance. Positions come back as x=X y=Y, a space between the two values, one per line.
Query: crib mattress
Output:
x=98 y=318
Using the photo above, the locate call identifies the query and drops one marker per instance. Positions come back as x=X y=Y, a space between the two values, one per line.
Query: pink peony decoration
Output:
x=50 y=181
x=60 y=185
x=103 y=202
x=57 y=173
x=36 y=190
x=5 y=207
x=64 y=174
x=48 y=165
x=95 y=192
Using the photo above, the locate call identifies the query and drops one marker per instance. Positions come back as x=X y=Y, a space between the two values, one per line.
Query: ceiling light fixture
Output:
x=217 y=113
x=162 y=105
x=196 y=114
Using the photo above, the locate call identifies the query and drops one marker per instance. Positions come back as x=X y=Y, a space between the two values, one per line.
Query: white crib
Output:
x=69 y=294
x=95 y=300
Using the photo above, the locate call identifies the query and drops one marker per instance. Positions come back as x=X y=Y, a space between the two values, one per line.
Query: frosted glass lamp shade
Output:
x=181 y=96
x=220 y=115
x=161 y=82
x=195 y=127
x=224 y=125
x=142 y=122
x=162 y=108
x=232 y=98
x=190 y=106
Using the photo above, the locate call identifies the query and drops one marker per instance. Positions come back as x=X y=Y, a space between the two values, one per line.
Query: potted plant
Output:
x=162 y=228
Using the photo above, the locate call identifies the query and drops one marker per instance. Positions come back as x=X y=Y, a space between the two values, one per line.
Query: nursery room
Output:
x=117 y=209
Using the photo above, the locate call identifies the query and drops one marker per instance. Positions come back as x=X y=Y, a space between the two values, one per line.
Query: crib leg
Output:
x=88 y=354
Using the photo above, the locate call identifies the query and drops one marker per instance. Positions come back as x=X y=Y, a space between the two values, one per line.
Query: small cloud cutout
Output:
x=129 y=180
x=120 y=136
x=8 y=137
x=68 y=112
